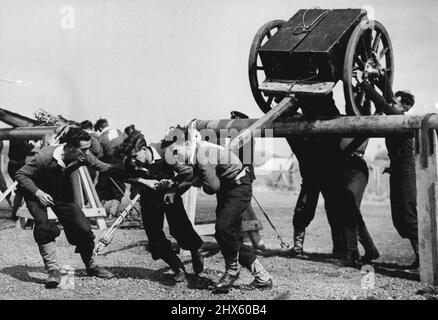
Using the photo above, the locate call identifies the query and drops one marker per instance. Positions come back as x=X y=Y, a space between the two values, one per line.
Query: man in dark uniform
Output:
x=220 y=172
x=322 y=162
x=317 y=158
x=354 y=174
x=161 y=192
x=402 y=181
x=45 y=182
x=95 y=149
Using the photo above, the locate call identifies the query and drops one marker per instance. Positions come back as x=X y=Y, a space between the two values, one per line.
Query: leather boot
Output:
x=93 y=270
x=352 y=255
x=262 y=278
x=197 y=261
x=339 y=243
x=230 y=276
x=298 y=242
x=176 y=266
x=416 y=263
x=371 y=252
x=48 y=253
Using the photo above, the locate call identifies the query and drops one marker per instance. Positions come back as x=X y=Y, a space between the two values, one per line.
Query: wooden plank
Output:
x=86 y=184
x=93 y=189
x=266 y=121
x=205 y=229
x=427 y=196
x=101 y=224
x=8 y=191
x=94 y=212
x=255 y=237
x=251 y=225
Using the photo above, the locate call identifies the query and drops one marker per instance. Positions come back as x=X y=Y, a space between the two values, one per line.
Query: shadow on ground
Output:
x=387 y=269
x=22 y=273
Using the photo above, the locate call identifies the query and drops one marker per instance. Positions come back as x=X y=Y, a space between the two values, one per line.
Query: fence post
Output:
x=427 y=195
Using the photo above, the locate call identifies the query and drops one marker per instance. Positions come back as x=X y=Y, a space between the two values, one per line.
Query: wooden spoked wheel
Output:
x=369 y=56
x=255 y=68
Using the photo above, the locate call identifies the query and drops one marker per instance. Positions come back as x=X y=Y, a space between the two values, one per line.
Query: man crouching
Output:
x=220 y=172
x=45 y=182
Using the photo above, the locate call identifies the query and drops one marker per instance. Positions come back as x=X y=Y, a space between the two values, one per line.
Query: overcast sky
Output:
x=156 y=63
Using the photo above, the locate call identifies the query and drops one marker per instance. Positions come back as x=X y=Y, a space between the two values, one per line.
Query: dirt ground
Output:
x=315 y=276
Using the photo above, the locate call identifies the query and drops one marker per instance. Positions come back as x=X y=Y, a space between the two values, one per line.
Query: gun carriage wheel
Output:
x=369 y=51
x=255 y=66
x=315 y=49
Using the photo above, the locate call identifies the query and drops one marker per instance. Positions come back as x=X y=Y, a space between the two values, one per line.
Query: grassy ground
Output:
x=316 y=276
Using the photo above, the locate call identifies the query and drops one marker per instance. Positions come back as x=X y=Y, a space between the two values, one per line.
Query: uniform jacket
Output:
x=159 y=169
x=44 y=172
x=215 y=166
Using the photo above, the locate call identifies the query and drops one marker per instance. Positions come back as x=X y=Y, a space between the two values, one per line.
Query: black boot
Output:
x=352 y=254
x=197 y=261
x=339 y=245
x=93 y=270
x=176 y=265
x=53 y=279
x=371 y=252
x=230 y=276
x=416 y=263
x=298 y=242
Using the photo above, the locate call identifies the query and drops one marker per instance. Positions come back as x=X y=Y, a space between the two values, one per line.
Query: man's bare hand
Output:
x=150 y=183
x=45 y=198
x=165 y=183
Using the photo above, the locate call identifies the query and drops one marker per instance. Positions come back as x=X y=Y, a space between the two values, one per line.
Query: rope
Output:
x=307 y=28
x=283 y=244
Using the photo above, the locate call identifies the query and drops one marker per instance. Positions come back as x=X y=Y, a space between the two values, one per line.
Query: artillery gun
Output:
x=315 y=49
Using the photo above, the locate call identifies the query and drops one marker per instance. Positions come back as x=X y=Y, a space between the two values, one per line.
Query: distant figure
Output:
x=95 y=149
x=129 y=130
x=110 y=139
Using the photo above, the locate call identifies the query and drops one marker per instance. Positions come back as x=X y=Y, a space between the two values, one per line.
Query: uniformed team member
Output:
x=317 y=158
x=402 y=181
x=220 y=172
x=110 y=139
x=95 y=148
x=161 y=191
x=323 y=161
x=354 y=175
x=45 y=182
